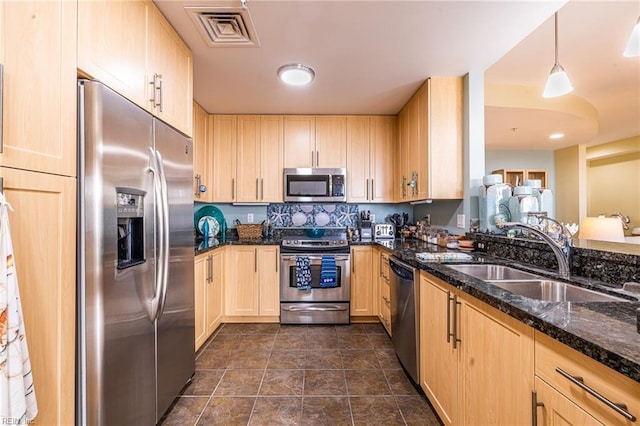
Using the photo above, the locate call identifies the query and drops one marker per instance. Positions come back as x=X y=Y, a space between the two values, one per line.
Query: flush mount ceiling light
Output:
x=633 y=45
x=556 y=135
x=558 y=83
x=296 y=74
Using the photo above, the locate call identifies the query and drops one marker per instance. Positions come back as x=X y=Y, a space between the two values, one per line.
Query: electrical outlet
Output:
x=461 y=220
x=250 y=218
x=372 y=217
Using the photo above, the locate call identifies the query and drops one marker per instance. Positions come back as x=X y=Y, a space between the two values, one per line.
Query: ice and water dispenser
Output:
x=130 y=215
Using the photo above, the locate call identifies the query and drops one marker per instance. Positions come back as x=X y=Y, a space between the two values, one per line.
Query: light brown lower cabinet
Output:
x=558 y=410
x=583 y=382
x=363 y=287
x=476 y=363
x=43 y=231
x=209 y=297
x=253 y=282
x=381 y=264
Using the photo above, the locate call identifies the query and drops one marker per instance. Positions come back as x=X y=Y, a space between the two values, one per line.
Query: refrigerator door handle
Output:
x=154 y=302
x=165 y=235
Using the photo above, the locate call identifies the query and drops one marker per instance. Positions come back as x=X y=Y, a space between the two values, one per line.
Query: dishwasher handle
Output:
x=402 y=269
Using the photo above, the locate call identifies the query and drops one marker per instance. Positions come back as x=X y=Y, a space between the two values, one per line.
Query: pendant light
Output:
x=633 y=45
x=558 y=83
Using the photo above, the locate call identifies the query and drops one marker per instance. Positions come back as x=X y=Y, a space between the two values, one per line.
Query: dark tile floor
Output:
x=272 y=374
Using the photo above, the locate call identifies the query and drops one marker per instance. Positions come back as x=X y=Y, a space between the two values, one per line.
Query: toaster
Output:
x=383 y=231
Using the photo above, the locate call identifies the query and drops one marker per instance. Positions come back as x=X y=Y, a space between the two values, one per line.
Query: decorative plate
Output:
x=213 y=214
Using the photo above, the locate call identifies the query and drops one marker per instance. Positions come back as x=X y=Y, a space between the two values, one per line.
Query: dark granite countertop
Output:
x=604 y=331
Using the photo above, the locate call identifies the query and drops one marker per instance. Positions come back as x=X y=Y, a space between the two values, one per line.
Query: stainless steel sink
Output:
x=554 y=291
x=493 y=272
x=533 y=286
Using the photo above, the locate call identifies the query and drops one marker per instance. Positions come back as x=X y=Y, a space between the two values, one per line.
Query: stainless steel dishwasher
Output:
x=405 y=315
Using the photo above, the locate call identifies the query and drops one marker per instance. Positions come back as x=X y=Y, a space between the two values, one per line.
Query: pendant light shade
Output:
x=558 y=82
x=633 y=45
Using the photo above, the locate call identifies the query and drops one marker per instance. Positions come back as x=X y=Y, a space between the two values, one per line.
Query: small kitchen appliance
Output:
x=306 y=185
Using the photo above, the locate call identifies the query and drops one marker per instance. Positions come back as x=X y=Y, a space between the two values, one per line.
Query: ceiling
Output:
x=371 y=56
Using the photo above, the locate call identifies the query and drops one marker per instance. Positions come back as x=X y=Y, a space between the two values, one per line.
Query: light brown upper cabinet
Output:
x=202 y=153
x=370 y=158
x=315 y=141
x=259 y=158
x=223 y=157
x=171 y=71
x=429 y=165
x=38 y=53
x=131 y=48
x=247 y=158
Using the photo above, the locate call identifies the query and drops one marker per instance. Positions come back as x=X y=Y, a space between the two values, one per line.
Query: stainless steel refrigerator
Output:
x=135 y=261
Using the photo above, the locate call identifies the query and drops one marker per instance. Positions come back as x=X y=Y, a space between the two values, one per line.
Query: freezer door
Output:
x=117 y=376
x=175 y=327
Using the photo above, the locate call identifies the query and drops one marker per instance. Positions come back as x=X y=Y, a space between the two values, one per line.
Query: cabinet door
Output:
x=382 y=145
x=43 y=228
x=201 y=154
x=358 y=172
x=497 y=366
x=444 y=151
x=248 y=159
x=224 y=158
x=215 y=291
x=421 y=99
x=559 y=410
x=269 y=280
x=413 y=151
x=402 y=175
x=362 y=285
x=241 y=290
x=271 y=158
x=201 y=270
x=171 y=59
x=438 y=358
x=39 y=42
x=112 y=45
x=331 y=141
x=299 y=140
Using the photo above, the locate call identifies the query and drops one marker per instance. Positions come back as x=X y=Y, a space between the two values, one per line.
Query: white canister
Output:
x=522 y=202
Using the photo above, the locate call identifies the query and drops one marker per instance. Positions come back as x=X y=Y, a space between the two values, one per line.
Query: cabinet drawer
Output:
x=385 y=306
x=553 y=358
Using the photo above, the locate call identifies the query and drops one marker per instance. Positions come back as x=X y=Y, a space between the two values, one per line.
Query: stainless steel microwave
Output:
x=315 y=185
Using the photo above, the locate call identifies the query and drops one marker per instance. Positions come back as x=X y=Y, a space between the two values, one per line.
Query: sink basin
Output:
x=494 y=272
x=554 y=291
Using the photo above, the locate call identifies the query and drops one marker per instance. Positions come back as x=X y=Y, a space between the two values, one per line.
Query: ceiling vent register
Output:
x=224 y=26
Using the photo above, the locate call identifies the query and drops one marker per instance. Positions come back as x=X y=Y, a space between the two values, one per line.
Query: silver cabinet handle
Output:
x=261 y=189
x=255 y=260
x=233 y=188
x=157 y=91
x=380 y=266
x=373 y=191
x=366 y=185
x=198 y=182
x=257 y=190
x=449 y=333
x=404 y=187
x=534 y=407
x=317 y=158
x=618 y=407
x=415 y=187
x=312 y=158
x=353 y=264
x=456 y=340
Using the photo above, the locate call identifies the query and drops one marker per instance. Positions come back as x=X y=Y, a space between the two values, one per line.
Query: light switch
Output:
x=460 y=221
x=250 y=218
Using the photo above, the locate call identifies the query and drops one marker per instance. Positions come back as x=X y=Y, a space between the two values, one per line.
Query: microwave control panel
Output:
x=337 y=186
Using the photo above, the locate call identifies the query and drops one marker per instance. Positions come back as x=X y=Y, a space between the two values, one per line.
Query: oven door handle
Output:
x=314 y=308
x=338 y=257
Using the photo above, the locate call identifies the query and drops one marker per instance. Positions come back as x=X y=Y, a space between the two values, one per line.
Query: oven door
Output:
x=289 y=291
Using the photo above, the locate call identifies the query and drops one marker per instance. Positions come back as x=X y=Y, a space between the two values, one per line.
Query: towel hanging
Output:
x=17 y=394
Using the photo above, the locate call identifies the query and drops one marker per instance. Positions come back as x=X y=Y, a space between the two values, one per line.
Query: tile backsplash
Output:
x=313 y=215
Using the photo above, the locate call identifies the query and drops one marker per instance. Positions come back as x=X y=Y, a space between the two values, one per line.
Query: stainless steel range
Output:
x=316 y=302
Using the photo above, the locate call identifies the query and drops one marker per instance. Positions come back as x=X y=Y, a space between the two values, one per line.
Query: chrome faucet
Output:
x=561 y=245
